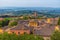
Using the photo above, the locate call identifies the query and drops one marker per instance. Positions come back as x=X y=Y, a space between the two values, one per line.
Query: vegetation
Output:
x=56 y=35
x=31 y=37
x=13 y=23
x=4 y=23
x=25 y=18
x=7 y=22
x=59 y=21
x=6 y=36
x=9 y=18
x=30 y=17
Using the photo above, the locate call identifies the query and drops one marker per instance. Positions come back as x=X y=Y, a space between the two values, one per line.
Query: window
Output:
x=12 y=32
x=18 y=32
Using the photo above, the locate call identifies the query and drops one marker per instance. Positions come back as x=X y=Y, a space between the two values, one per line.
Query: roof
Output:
x=24 y=22
x=5 y=27
x=45 y=31
x=1 y=19
x=20 y=27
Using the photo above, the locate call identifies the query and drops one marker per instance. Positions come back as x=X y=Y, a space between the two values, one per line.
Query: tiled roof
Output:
x=5 y=27
x=23 y=22
x=20 y=27
x=45 y=31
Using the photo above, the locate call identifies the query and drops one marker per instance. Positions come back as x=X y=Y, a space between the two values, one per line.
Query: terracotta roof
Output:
x=20 y=27
x=45 y=31
x=1 y=18
x=23 y=22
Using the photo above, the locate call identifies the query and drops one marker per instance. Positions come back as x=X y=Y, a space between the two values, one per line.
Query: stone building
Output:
x=46 y=32
x=20 y=29
x=33 y=23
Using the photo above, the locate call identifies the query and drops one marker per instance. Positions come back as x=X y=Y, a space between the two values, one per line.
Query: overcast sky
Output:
x=29 y=3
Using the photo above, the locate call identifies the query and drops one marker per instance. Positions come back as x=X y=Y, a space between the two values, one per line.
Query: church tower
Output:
x=35 y=14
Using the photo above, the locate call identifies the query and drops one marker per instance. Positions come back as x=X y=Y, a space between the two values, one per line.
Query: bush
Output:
x=4 y=23
x=14 y=23
x=6 y=36
x=58 y=22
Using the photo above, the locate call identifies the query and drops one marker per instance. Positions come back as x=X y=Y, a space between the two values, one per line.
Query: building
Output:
x=1 y=19
x=47 y=31
x=35 y=14
x=33 y=23
x=20 y=29
x=52 y=20
x=24 y=22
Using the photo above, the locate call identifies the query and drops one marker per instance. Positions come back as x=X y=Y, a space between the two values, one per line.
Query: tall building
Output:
x=35 y=14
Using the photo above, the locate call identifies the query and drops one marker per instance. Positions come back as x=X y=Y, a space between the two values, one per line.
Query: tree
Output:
x=56 y=35
x=4 y=23
x=58 y=22
x=1 y=23
x=25 y=18
x=30 y=37
x=14 y=23
x=6 y=36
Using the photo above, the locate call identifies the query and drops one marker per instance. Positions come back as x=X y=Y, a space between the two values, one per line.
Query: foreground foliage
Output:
x=56 y=35
x=6 y=36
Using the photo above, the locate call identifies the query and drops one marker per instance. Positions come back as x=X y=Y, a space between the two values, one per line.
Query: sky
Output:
x=30 y=3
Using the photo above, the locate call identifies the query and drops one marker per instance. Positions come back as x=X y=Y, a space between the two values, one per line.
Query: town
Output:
x=31 y=24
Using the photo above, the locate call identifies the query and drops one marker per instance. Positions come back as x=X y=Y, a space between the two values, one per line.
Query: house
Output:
x=4 y=29
x=23 y=22
x=52 y=20
x=33 y=23
x=35 y=14
x=20 y=29
x=1 y=19
x=1 y=31
x=46 y=32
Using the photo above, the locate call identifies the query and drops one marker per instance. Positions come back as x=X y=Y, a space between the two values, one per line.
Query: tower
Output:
x=35 y=14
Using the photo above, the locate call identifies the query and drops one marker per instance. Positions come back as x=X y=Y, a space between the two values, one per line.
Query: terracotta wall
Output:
x=20 y=31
